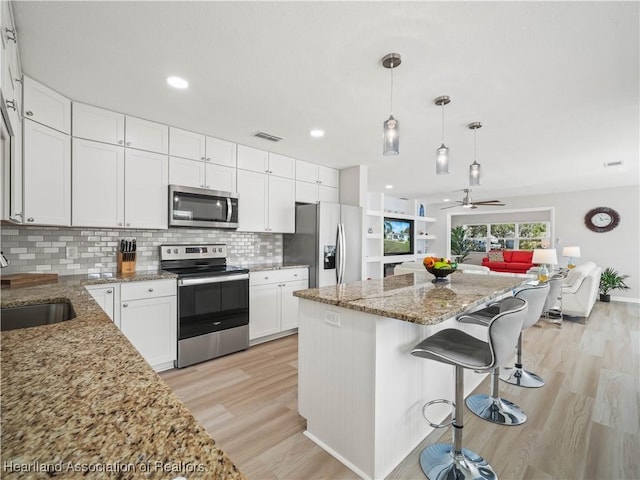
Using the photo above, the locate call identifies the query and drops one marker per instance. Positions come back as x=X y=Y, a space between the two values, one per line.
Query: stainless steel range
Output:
x=213 y=302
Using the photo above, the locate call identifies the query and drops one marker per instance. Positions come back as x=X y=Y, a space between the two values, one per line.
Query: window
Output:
x=507 y=236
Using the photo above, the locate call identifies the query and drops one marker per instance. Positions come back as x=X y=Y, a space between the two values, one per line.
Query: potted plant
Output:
x=460 y=244
x=611 y=280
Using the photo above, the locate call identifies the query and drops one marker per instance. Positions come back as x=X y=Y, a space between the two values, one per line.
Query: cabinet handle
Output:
x=201 y=186
x=128 y=144
x=295 y=274
x=266 y=171
x=119 y=224
x=208 y=159
x=125 y=305
x=128 y=224
x=266 y=278
x=120 y=142
x=109 y=291
x=208 y=186
x=29 y=113
x=10 y=34
x=151 y=289
x=11 y=104
x=19 y=80
x=31 y=219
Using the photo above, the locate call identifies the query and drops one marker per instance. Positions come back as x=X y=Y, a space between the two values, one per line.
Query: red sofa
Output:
x=512 y=261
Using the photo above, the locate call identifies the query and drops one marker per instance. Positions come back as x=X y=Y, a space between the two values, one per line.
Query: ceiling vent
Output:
x=267 y=136
x=613 y=164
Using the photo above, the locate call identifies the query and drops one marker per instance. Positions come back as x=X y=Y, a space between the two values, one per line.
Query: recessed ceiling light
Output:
x=317 y=133
x=446 y=199
x=388 y=186
x=177 y=82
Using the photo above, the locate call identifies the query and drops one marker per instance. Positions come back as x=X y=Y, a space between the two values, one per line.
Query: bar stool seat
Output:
x=457 y=348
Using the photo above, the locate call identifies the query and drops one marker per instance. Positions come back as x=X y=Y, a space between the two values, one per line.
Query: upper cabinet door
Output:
x=43 y=105
x=186 y=144
x=306 y=172
x=221 y=178
x=329 y=177
x=253 y=159
x=282 y=205
x=97 y=124
x=221 y=152
x=146 y=135
x=253 y=202
x=282 y=166
x=98 y=184
x=185 y=172
x=146 y=190
x=47 y=175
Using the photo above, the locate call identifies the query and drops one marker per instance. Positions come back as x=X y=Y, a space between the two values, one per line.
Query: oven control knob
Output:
x=175 y=250
x=168 y=250
x=220 y=249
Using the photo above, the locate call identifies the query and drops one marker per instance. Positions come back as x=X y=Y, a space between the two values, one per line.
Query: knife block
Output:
x=126 y=267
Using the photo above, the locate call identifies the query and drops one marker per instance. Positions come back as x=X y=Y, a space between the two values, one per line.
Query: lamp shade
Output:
x=545 y=256
x=572 y=251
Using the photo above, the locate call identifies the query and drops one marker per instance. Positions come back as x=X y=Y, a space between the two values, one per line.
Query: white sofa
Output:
x=580 y=289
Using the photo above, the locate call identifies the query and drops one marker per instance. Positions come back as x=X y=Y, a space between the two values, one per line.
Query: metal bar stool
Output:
x=536 y=297
x=493 y=407
x=455 y=347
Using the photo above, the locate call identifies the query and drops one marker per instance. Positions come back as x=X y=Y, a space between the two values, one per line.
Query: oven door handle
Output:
x=187 y=282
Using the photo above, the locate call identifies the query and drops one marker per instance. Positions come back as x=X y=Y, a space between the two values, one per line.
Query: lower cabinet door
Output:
x=264 y=310
x=105 y=295
x=151 y=326
x=289 y=318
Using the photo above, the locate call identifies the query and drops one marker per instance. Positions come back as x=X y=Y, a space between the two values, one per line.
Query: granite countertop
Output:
x=79 y=400
x=413 y=297
x=272 y=266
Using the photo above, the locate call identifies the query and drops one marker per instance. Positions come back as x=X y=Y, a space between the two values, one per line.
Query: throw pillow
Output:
x=495 y=256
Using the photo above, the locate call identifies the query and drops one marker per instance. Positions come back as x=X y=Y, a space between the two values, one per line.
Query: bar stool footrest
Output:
x=433 y=402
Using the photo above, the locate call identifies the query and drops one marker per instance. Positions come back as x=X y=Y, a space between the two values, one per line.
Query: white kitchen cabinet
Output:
x=221 y=152
x=148 y=318
x=98 y=181
x=315 y=183
x=107 y=296
x=195 y=146
x=273 y=310
x=261 y=161
x=93 y=123
x=146 y=189
x=185 y=144
x=145 y=135
x=193 y=173
x=47 y=175
x=188 y=173
x=266 y=203
x=219 y=177
x=46 y=106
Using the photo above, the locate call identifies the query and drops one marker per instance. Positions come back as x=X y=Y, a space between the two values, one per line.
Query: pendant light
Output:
x=442 y=153
x=474 y=168
x=391 y=136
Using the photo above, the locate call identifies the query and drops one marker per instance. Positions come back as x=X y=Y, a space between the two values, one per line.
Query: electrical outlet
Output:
x=72 y=252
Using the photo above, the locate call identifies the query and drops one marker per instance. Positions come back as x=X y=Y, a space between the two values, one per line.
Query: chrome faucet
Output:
x=3 y=260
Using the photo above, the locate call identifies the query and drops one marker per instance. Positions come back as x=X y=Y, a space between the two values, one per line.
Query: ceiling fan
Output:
x=467 y=203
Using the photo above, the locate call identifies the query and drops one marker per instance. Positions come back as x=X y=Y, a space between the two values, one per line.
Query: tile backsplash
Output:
x=43 y=249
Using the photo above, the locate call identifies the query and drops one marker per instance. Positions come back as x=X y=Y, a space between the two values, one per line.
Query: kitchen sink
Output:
x=35 y=315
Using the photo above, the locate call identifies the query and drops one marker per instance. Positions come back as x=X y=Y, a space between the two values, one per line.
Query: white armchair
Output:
x=580 y=289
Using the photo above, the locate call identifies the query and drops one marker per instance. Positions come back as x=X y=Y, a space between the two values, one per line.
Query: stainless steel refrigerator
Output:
x=328 y=238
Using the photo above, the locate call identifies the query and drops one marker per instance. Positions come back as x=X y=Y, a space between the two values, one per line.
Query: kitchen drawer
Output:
x=152 y=289
x=276 y=276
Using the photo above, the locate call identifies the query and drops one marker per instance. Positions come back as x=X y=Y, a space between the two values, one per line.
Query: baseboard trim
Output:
x=625 y=299
x=336 y=455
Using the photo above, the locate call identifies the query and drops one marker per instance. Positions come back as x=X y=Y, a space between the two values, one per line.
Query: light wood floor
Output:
x=583 y=424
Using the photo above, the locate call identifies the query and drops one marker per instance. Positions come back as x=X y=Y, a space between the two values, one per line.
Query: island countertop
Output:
x=413 y=297
x=79 y=401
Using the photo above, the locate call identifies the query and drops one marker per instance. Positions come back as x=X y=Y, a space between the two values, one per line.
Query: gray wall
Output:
x=43 y=249
x=618 y=248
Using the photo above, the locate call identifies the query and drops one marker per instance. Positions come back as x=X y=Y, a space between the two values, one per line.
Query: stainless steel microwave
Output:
x=200 y=207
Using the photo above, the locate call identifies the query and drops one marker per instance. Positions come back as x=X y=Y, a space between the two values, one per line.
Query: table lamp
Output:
x=571 y=251
x=544 y=257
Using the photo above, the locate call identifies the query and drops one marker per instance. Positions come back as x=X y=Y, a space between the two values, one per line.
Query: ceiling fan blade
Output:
x=450 y=206
x=485 y=204
x=488 y=201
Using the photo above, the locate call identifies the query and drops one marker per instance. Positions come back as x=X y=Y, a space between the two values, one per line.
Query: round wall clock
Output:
x=601 y=219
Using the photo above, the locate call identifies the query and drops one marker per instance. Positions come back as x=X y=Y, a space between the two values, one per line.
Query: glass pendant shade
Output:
x=442 y=160
x=391 y=144
x=474 y=173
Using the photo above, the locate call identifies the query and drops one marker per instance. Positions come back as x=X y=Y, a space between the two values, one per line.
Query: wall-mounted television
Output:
x=398 y=236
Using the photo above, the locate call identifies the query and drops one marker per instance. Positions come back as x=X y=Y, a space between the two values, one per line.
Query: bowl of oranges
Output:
x=439 y=267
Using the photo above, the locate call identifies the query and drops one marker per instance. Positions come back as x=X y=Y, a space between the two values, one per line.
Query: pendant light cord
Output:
x=391 y=103
x=475 y=145
x=442 y=123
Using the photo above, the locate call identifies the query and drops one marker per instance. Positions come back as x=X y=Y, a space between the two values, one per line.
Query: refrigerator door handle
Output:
x=343 y=253
x=338 y=254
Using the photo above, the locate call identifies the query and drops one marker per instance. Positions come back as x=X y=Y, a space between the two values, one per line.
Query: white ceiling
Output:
x=555 y=84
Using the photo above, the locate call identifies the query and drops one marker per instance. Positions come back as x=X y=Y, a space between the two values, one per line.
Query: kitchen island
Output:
x=359 y=388
x=79 y=401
